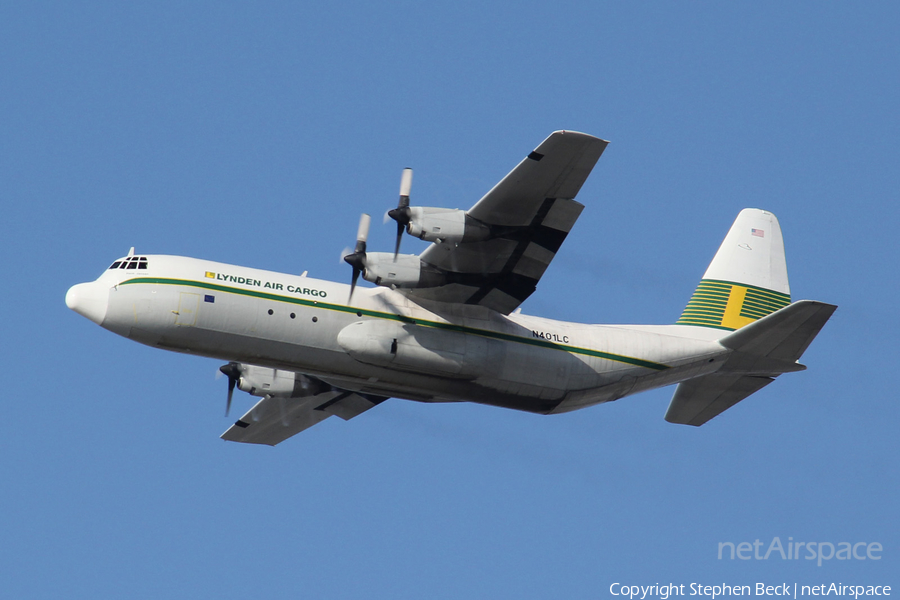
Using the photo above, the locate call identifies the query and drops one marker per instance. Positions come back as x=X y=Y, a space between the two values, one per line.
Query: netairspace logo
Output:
x=668 y=590
x=812 y=550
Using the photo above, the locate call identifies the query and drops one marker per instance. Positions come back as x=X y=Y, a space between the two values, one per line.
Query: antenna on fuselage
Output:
x=131 y=252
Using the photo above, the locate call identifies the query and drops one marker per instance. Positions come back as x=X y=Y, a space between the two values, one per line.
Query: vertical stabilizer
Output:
x=746 y=280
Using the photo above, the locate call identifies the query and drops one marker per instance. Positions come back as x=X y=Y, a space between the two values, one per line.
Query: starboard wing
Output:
x=530 y=213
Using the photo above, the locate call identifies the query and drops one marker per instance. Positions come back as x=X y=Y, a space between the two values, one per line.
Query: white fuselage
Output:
x=386 y=343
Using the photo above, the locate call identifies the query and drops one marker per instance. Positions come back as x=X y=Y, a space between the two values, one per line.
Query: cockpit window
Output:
x=131 y=262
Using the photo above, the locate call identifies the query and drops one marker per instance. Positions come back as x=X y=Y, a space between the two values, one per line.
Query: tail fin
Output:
x=746 y=280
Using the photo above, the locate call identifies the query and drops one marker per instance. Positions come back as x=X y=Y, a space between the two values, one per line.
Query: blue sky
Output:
x=256 y=133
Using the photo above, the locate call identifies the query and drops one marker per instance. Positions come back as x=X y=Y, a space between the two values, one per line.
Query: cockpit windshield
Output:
x=130 y=262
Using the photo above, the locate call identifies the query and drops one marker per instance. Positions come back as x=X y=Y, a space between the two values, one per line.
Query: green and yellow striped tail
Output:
x=728 y=305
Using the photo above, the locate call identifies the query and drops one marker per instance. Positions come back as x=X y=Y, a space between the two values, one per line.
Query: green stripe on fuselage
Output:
x=404 y=319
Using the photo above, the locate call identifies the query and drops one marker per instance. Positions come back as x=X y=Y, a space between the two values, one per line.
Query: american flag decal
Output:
x=758 y=232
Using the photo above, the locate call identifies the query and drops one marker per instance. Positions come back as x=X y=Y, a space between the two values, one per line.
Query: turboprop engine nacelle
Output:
x=402 y=271
x=263 y=381
x=421 y=349
x=448 y=225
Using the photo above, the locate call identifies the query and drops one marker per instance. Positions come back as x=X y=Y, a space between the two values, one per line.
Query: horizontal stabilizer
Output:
x=784 y=335
x=761 y=351
x=696 y=401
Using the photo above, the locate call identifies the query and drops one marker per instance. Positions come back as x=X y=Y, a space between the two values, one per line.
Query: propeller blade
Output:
x=357 y=259
x=400 y=228
x=405 y=185
x=353 y=281
x=233 y=371
x=401 y=213
x=362 y=234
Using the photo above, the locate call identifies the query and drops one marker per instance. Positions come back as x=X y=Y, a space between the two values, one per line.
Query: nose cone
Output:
x=89 y=300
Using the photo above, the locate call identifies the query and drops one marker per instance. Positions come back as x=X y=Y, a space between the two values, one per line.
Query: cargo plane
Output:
x=445 y=325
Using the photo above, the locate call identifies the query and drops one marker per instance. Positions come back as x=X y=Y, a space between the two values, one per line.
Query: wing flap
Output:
x=348 y=405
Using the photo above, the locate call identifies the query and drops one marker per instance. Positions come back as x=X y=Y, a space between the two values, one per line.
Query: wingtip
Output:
x=572 y=132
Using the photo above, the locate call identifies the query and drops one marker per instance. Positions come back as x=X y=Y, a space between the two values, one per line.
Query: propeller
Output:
x=233 y=371
x=401 y=213
x=357 y=259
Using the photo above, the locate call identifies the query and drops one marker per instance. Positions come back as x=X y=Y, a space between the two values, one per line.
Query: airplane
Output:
x=446 y=325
